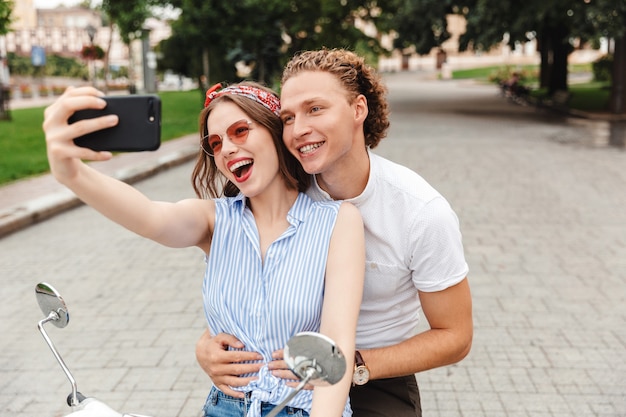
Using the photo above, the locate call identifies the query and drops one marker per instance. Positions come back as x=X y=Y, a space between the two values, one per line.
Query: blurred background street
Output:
x=541 y=202
x=514 y=111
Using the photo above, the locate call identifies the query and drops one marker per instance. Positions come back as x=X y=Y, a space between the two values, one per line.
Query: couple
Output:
x=283 y=255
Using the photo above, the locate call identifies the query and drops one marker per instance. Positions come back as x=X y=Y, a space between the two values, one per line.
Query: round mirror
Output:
x=313 y=352
x=49 y=302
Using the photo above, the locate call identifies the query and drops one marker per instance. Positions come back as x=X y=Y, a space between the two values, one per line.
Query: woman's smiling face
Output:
x=250 y=164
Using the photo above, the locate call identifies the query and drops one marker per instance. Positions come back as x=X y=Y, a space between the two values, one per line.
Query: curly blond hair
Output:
x=356 y=77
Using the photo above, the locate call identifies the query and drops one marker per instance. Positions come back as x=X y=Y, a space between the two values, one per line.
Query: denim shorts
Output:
x=219 y=404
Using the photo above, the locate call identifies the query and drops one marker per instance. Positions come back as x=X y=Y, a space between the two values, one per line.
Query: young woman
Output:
x=277 y=262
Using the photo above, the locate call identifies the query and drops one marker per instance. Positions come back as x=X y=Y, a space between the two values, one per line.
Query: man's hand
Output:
x=279 y=369
x=224 y=366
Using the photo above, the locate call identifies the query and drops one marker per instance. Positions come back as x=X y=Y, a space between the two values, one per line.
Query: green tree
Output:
x=420 y=24
x=6 y=8
x=200 y=40
x=554 y=24
x=333 y=24
x=262 y=33
x=129 y=17
x=608 y=19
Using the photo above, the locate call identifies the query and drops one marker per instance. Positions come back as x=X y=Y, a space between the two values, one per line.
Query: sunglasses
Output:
x=237 y=133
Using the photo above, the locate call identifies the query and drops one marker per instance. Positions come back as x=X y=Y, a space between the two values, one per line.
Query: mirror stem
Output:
x=310 y=373
x=52 y=317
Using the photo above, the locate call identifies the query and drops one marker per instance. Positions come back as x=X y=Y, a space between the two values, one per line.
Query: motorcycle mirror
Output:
x=51 y=304
x=315 y=357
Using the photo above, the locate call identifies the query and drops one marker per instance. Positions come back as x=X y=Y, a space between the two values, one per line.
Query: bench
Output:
x=558 y=101
x=518 y=93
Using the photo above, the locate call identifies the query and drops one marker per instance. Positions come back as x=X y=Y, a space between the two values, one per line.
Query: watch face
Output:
x=361 y=375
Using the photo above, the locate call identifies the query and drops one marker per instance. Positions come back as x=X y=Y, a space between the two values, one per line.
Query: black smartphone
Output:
x=138 y=129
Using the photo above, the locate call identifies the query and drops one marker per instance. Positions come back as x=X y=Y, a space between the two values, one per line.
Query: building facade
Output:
x=64 y=31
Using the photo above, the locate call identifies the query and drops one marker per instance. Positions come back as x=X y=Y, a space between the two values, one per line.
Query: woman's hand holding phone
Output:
x=63 y=154
x=139 y=127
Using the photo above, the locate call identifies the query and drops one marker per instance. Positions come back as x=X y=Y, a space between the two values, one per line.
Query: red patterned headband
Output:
x=265 y=98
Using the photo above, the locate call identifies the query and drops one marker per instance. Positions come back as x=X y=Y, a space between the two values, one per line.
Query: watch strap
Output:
x=358 y=359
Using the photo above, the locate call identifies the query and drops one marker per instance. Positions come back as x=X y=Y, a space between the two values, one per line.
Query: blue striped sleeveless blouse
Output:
x=265 y=303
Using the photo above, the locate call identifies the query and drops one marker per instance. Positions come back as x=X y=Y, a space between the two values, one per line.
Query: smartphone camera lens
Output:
x=151 y=110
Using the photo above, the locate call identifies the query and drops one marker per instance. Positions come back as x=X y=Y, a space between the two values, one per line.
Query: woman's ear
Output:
x=360 y=108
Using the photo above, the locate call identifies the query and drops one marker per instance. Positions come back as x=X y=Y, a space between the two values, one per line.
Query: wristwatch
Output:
x=361 y=373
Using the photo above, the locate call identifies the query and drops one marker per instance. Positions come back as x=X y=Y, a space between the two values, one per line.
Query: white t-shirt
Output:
x=412 y=242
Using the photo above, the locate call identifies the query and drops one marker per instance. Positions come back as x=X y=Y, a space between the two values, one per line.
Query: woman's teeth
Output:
x=240 y=164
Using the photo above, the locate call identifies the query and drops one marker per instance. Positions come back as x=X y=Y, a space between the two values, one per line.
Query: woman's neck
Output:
x=270 y=210
x=273 y=204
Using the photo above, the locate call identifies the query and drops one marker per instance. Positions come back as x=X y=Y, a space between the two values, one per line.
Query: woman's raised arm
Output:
x=182 y=224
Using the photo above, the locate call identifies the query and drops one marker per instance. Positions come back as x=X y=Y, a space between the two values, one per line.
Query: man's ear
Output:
x=360 y=108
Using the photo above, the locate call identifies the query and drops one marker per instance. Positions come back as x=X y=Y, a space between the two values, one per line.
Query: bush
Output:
x=92 y=52
x=56 y=65
x=57 y=90
x=502 y=74
x=602 y=68
x=25 y=90
x=60 y=66
x=19 y=65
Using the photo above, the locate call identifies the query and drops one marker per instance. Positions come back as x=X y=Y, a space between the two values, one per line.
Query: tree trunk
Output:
x=203 y=79
x=132 y=87
x=106 y=59
x=262 y=72
x=560 y=51
x=558 y=75
x=5 y=92
x=554 y=49
x=206 y=65
x=545 y=62
x=617 y=103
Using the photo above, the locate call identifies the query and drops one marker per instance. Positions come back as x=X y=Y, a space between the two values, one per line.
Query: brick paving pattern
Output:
x=541 y=202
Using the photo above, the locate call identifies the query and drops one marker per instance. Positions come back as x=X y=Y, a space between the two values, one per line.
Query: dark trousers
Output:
x=392 y=397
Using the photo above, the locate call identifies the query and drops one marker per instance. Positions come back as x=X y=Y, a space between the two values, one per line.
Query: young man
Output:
x=334 y=111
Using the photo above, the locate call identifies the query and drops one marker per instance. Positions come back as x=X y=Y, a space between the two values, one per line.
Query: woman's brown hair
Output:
x=208 y=181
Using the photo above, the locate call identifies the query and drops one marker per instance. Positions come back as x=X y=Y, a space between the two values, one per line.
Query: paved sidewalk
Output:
x=541 y=203
x=31 y=200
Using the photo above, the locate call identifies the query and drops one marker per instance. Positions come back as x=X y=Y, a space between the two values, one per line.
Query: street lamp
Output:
x=91 y=32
